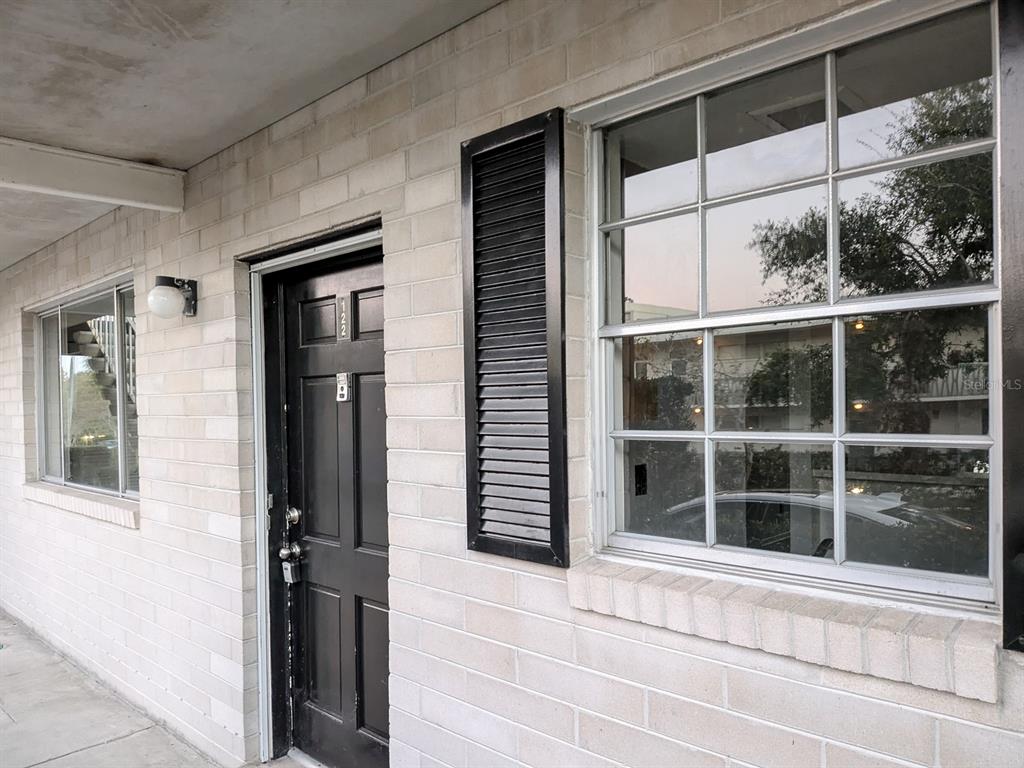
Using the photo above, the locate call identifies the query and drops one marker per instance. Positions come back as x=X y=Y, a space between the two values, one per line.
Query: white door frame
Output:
x=340 y=247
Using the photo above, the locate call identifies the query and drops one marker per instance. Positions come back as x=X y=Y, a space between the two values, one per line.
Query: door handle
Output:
x=290 y=551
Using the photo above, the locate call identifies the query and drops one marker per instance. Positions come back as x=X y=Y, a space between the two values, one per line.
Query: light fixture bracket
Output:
x=189 y=289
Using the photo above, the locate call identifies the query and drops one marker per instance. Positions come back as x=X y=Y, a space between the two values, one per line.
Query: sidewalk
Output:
x=54 y=715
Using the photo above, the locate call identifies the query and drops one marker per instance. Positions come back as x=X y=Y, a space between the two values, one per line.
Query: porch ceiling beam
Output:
x=82 y=176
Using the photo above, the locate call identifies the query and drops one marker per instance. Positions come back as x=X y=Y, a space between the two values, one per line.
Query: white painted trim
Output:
x=37 y=404
x=995 y=351
x=602 y=446
x=844 y=308
x=263 y=681
x=812 y=40
x=116 y=287
x=949 y=591
x=48 y=170
x=340 y=247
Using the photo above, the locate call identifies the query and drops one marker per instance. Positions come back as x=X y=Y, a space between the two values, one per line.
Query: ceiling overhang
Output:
x=31 y=167
x=104 y=99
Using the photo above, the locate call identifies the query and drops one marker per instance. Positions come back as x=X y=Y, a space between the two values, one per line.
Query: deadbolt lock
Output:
x=292 y=516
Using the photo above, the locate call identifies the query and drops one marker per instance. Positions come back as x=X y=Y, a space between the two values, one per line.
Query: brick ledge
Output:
x=123 y=512
x=929 y=650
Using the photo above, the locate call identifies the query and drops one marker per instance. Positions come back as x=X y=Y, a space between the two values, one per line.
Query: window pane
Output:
x=653 y=270
x=51 y=396
x=651 y=162
x=774 y=497
x=925 y=87
x=662 y=381
x=89 y=391
x=774 y=378
x=922 y=372
x=131 y=415
x=768 y=252
x=929 y=226
x=663 y=488
x=924 y=508
x=767 y=130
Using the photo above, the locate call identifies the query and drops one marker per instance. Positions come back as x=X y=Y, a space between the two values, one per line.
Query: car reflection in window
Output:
x=881 y=529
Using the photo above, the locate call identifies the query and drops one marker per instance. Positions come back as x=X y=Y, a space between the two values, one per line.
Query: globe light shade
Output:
x=171 y=297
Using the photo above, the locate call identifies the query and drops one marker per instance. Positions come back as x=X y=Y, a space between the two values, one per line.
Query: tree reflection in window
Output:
x=923 y=372
x=923 y=227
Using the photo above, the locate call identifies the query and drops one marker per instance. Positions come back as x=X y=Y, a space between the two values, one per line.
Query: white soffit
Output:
x=30 y=221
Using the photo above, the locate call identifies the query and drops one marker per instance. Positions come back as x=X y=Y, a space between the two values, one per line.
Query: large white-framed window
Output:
x=798 y=319
x=86 y=395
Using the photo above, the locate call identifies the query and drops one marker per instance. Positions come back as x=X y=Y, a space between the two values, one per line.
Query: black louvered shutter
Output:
x=513 y=276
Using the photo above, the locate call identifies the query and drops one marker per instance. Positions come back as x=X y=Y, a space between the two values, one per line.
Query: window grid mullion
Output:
x=702 y=225
x=831 y=113
x=995 y=431
x=996 y=162
x=936 y=299
x=832 y=164
x=60 y=391
x=977 y=442
x=838 y=450
x=119 y=384
x=709 y=444
x=618 y=473
x=925 y=157
x=709 y=343
x=834 y=292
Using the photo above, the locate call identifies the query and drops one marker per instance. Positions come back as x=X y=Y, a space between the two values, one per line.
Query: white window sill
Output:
x=123 y=512
x=926 y=649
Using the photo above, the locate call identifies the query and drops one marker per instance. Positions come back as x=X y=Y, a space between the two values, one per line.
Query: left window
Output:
x=87 y=413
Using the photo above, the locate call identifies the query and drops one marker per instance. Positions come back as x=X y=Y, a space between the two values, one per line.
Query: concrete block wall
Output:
x=155 y=596
x=490 y=664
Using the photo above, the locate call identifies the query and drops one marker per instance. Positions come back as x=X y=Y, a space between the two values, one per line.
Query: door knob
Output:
x=292 y=515
x=290 y=551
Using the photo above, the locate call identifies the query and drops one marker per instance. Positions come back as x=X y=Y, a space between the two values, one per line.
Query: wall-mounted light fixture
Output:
x=172 y=296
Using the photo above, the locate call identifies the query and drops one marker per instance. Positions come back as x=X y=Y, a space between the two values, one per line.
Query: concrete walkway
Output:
x=54 y=715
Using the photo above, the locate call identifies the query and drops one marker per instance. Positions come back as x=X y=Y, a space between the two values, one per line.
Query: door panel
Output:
x=371 y=458
x=337 y=479
x=369 y=307
x=320 y=438
x=373 y=666
x=323 y=619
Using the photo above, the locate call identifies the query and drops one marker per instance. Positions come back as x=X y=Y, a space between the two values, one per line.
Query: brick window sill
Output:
x=123 y=512
x=929 y=650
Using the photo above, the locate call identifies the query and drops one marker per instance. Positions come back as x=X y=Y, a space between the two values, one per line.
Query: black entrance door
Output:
x=333 y=334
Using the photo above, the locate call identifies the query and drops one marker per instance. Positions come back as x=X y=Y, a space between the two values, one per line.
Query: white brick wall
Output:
x=490 y=664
